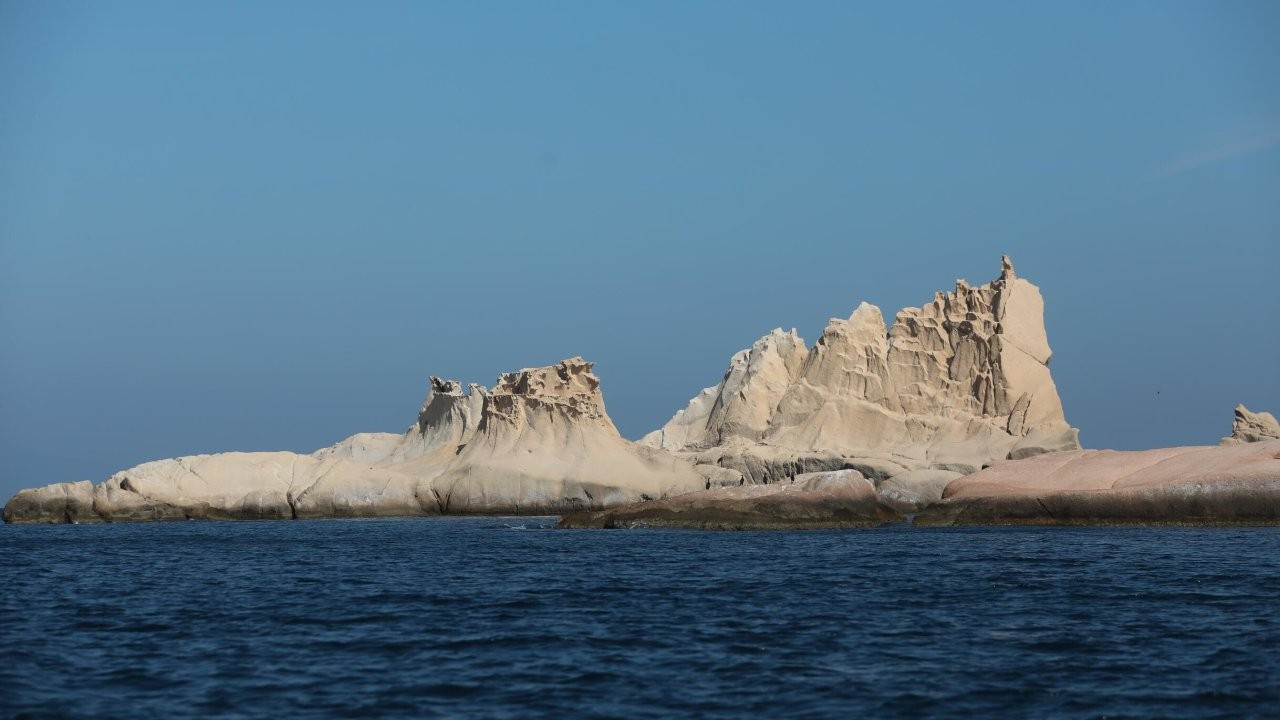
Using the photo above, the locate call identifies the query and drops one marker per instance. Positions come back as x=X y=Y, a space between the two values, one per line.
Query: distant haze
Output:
x=252 y=226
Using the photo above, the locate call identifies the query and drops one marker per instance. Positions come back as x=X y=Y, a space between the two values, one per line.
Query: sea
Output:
x=510 y=618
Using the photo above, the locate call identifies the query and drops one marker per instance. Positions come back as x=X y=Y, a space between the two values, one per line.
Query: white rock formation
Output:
x=1252 y=427
x=543 y=442
x=955 y=385
x=540 y=441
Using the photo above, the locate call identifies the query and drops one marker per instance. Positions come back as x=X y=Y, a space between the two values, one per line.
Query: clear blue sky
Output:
x=263 y=225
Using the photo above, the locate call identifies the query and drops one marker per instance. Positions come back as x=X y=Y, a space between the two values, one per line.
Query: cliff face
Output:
x=956 y=384
x=539 y=441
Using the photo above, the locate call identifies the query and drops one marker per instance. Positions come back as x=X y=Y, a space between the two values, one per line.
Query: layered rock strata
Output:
x=955 y=385
x=538 y=442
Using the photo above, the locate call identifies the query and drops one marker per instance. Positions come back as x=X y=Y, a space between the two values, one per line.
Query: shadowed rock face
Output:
x=819 y=500
x=955 y=385
x=539 y=441
x=1234 y=484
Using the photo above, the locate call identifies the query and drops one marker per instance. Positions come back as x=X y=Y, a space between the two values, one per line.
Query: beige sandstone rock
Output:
x=1252 y=427
x=539 y=442
x=1197 y=485
x=955 y=385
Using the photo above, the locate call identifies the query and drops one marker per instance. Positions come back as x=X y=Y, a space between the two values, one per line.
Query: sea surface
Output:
x=508 y=618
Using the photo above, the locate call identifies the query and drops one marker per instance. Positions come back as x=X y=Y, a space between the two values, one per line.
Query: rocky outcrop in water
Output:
x=1237 y=482
x=1232 y=484
x=539 y=441
x=1252 y=427
x=950 y=413
x=839 y=499
x=955 y=385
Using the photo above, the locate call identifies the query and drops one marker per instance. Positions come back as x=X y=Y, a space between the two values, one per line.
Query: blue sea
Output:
x=508 y=618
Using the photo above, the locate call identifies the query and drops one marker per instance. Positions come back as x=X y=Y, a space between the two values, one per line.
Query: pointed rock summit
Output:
x=956 y=384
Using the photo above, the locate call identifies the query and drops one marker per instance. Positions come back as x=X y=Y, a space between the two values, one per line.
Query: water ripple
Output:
x=505 y=618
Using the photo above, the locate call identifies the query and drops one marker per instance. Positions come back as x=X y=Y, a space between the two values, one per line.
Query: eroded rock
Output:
x=1233 y=484
x=954 y=385
x=1252 y=427
x=539 y=442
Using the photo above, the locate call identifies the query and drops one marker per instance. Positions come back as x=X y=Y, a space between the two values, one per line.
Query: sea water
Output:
x=489 y=617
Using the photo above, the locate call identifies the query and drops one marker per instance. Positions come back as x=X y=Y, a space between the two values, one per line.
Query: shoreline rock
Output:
x=1232 y=484
x=826 y=500
x=949 y=414
x=538 y=443
x=1209 y=485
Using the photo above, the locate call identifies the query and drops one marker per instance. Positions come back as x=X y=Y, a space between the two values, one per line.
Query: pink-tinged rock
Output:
x=1234 y=484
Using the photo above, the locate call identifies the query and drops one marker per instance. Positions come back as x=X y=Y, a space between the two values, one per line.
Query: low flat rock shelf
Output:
x=948 y=416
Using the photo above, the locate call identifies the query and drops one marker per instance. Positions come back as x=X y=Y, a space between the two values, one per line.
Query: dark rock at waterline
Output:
x=822 y=500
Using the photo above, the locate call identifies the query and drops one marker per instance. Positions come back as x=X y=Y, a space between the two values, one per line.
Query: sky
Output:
x=263 y=226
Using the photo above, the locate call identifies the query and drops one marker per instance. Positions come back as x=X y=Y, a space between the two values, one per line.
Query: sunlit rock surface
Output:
x=949 y=415
x=539 y=441
x=955 y=385
x=1231 y=484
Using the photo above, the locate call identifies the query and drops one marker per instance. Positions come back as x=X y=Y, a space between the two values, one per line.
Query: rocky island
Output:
x=537 y=442
x=948 y=415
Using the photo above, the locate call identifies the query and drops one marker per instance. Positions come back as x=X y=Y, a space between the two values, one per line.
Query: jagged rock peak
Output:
x=743 y=402
x=957 y=383
x=447 y=404
x=569 y=389
x=445 y=387
x=568 y=377
x=1252 y=427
